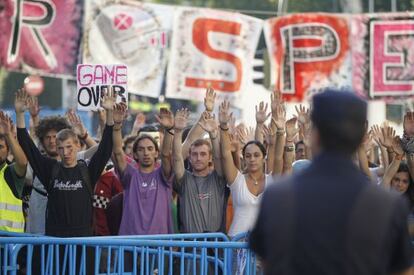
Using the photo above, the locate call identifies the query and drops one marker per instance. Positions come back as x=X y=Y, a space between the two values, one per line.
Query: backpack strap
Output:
x=55 y=172
x=39 y=191
x=85 y=176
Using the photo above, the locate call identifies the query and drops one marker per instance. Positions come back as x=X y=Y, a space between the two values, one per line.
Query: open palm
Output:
x=165 y=118
x=21 y=101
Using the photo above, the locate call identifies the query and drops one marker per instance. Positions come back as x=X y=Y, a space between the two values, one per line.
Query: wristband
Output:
x=224 y=129
x=85 y=136
x=280 y=132
x=170 y=131
x=289 y=148
x=399 y=157
x=117 y=127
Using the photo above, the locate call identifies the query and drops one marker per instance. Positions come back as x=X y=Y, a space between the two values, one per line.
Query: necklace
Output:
x=255 y=180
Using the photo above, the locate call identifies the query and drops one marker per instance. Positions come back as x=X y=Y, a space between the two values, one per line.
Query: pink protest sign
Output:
x=94 y=80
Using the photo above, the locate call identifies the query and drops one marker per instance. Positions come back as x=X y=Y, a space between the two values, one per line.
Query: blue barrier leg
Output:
x=142 y=261
x=97 y=260
x=135 y=256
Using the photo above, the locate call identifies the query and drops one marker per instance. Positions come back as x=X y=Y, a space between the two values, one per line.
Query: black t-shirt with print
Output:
x=69 y=208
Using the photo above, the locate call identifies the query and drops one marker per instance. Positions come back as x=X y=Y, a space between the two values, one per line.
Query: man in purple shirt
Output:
x=147 y=189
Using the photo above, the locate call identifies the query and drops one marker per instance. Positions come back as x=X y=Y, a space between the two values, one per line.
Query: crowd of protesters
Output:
x=58 y=180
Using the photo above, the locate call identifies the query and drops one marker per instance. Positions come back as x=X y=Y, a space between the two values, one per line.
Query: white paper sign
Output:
x=93 y=80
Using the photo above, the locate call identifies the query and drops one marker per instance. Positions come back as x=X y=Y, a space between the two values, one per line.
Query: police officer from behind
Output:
x=329 y=219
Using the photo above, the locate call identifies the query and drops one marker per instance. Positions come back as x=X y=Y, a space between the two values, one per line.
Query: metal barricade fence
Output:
x=182 y=254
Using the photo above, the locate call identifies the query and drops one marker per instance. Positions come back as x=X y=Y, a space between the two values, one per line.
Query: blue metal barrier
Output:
x=154 y=254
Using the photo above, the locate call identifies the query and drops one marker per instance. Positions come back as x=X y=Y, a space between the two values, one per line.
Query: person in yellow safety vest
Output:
x=12 y=178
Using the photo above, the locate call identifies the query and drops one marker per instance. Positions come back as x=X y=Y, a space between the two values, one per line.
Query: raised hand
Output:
x=241 y=134
x=108 y=99
x=409 y=124
x=165 y=118
x=275 y=100
x=377 y=135
x=209 y=123
x=209 y=99
x=280 y=117
x=396 y=146
x=76 y=123
x=250 y=133
x=224 y=116
x=181 y=119
x=6 y=124
x=21 y=101
x=388 y=134
x=33 y=105
x=261 y=113
x=269 y=135
x=120 y=110
x=139 y=120
x=291 y=129
x=303 y=114
x=235 y=143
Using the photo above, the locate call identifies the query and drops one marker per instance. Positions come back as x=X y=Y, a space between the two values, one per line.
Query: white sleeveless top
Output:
x=245 y=204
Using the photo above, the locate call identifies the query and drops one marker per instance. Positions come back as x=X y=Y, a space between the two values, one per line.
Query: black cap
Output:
x=340 y=117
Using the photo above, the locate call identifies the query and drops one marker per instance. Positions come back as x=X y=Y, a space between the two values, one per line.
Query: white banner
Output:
x=131 y=33
x=93 y=80
x=212 y=48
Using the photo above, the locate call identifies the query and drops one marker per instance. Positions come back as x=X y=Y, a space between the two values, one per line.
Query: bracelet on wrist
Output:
x=170 y=131
x=117 y=127
x=85 y=136
x=289 y=148
x=224 y=129
x=399 y=157
x=280 y=132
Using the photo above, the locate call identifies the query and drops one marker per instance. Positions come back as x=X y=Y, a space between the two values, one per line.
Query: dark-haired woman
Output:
x=397 y=175
x=246 y=189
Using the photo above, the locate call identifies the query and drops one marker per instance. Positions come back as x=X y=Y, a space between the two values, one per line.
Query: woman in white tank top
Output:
x=246 y=189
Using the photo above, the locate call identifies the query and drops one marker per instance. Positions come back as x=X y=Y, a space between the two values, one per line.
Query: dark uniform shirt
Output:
x=330 y=220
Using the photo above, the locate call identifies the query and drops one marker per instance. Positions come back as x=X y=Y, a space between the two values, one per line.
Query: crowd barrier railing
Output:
x=209 y=253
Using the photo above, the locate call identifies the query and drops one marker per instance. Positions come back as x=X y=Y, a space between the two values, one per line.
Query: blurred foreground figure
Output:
x=328 y=218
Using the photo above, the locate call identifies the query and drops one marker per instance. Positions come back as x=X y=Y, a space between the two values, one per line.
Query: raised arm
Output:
x=229 y=169
x=210 y=125
x=119 y=155
x=34 y=111
x=6 y=129
x=289 y=150
x=378 y=138
x=362 y=156
x=279 y=121
x=39 y=163
x=395 y=164
x=270 y=138
x=261 y=117
x=166 y=120
x=102 y=122
x=196 y=131
x=103 y=154
x=180 y=122
x=79 y=129
x=304 y=122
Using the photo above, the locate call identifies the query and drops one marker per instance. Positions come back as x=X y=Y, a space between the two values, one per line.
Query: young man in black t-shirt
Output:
x=69 y=208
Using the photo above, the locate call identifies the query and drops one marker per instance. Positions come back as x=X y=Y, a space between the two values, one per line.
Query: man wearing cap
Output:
x=328 y=219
